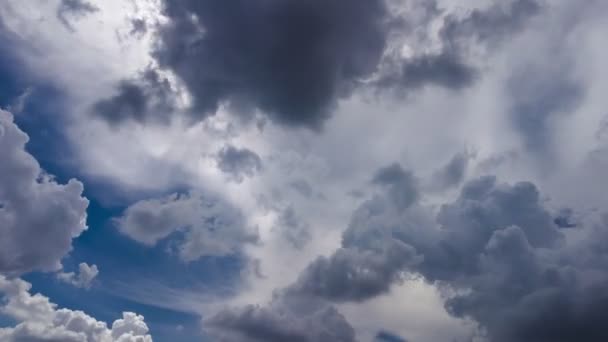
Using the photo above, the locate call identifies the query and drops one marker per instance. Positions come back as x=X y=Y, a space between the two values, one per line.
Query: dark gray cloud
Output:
x=496 y=243
x=450 y=67
x=352 y=274
x=291 y=59
x=446 y=69
x=74 y=9
x=566 y=218
x=359 y=271
x=296 y=319
x=451 y=174
x=400 y=183
x=149 y=96
x=294 y=60
x=238 y=163
x=385 y=336
x=139 y=27
x=38 y=216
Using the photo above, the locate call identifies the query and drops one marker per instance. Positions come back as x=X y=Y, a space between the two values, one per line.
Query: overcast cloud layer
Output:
x=314 y=171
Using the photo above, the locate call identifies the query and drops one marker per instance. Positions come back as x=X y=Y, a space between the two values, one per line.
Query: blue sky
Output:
x=270 y=171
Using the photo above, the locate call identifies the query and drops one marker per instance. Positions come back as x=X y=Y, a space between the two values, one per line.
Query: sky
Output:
x=303 y=171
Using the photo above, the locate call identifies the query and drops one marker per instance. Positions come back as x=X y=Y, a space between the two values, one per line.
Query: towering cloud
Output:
x=38 y=216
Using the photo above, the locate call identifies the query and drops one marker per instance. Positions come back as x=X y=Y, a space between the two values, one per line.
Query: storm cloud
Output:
x=294 y=61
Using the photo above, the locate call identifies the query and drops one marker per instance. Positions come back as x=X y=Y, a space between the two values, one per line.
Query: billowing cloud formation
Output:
x=83 y=279
x=294 y=61
x=38 y=216
x=39 y=320
x=495 y=250
x=238 y=163
x=286 y=318
x=210 y=226
x=496 y=243
x=291 y=59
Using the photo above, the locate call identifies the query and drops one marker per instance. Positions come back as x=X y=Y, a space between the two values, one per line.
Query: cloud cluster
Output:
x=210 y=227
x=286 y=318
x=38 y=216
x=294 y=61
x=39 y=320
x=495 y=251
x=83 y=279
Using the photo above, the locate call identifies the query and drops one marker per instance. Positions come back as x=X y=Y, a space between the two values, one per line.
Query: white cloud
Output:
x=38 y=319
x=83 y=279
x=38 y=216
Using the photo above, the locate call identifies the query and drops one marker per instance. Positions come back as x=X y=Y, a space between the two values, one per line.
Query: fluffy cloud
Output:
x=39 y=320
x=38 y=216
x=83 y=279
x=210 y=226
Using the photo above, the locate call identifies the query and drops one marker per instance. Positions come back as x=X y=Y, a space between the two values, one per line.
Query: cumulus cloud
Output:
x=210 y=227
x=496 y=252
x=286 y=318
x=38 y=319
x=295 y=61
x=38 y=216
x=290 y=59
x=83 y=279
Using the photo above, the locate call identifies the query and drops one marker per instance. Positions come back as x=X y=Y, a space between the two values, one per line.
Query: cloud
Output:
x=39 y=320
x=284 y=319
x=75 y=9
x=384 y=336
x=494 y=251
x=210 y=227
x=356 y=275
x=83 y=279
x=136 y=99
x=38 y=216
x=238 y=163
x=290 y=59
x=452 y=173
x=295 y=230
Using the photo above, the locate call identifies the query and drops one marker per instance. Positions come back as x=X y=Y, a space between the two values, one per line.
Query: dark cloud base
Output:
x=295 y=60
